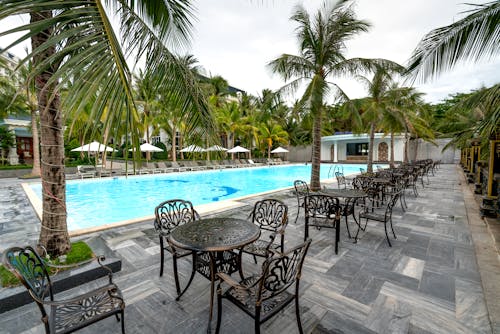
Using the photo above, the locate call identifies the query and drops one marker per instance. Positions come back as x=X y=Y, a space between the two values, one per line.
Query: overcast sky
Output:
x=237 y=38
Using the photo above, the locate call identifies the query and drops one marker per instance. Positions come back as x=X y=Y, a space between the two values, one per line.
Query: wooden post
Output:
x=493 y=162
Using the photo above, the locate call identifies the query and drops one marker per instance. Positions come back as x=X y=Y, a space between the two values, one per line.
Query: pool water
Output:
x=103 y=201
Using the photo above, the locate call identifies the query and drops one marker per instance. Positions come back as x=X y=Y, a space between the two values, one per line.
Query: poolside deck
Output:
x=440 y=276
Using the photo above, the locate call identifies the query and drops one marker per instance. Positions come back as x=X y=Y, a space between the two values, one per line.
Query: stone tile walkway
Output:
x=428 y=282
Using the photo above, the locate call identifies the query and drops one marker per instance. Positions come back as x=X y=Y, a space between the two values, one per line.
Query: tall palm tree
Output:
x=77 y=40
x=322 y=56
x=376 y=102
x=474 y=37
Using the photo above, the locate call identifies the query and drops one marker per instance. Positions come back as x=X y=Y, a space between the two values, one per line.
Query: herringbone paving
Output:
x=428 y=282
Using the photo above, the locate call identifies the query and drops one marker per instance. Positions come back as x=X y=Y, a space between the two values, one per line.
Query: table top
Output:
x=381 y=180
x=346 y=193
x=214 y=234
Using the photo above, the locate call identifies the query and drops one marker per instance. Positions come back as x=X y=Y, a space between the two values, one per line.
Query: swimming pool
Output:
x=100 y=202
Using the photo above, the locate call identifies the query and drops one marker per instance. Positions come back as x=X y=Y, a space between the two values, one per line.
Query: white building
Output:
x=354 y=147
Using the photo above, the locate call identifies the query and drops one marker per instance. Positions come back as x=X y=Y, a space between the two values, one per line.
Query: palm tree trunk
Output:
x=406 y=148
x=173 y=150
x=369 y=163
x=391 y=159
x=54 y=231
x=35 y=171
x=316 y=153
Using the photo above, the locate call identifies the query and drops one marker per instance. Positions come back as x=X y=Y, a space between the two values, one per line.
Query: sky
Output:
x=238 y=38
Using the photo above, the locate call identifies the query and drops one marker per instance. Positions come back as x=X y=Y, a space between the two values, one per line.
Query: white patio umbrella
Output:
x=280 y=149
x=193 y=148
x=94 y=146
x=146 y=147
x=216 y=148
x=238 y=149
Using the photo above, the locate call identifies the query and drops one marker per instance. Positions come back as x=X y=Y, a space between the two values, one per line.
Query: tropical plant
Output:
x=7 y=140
x=76 y=42
x=322 y=55
x=269 y=134
x=474 y=37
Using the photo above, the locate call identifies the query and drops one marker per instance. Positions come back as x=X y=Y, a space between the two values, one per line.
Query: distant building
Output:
x=349 y=147
x=20 y=125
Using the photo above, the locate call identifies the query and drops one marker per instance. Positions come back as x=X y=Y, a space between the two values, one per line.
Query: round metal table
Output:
x=214 y=235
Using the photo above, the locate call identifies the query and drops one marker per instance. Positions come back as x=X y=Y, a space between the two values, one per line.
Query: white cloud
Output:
x=237 y=38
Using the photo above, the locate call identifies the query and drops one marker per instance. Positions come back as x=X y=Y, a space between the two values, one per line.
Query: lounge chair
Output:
x=163 y=168
x=85 y=171
x=180 y=168
x=252 y=163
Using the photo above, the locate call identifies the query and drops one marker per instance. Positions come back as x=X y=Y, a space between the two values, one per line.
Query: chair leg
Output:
x=123 y=321
x=297 y=314
x=257 y=319
x=347 y=227
x=219 y=312
x=298 y=214
x=386 y=234
x=176 y=277
x=255 y=259
x=357 y=231
x=393 y=233
x=162 y=256
x=193 y=271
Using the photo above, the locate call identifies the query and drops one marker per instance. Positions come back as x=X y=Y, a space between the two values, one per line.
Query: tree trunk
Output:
x=369 y=163
x=391 y=159
x=316 y=153
x=174 y=152
x=415 y=151
x=35 y=171
x=54 y=231
x=406 y=148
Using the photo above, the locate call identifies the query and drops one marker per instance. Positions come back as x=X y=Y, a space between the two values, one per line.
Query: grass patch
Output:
x=80 y=251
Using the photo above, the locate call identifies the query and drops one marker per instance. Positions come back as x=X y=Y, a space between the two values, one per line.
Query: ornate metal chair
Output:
x=341 y=180
x=262 y=296
x=271 y=215
x=323 y=211
x=371 y=213
x=169 y=215
x=301 y=191
x=68 y=315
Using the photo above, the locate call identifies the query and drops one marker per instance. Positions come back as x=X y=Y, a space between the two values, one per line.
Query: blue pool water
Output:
x=103 y=201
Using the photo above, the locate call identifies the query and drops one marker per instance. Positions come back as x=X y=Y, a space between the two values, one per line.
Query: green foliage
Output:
x=80 y=251
x=7 y=279
x=161 y=155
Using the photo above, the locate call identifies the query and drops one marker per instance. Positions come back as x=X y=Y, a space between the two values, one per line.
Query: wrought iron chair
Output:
x=169 y=215
x=68 y=315
x=264 y=295
x=341 y=180
x=371 y=213
x=323 y=211
x=301 y=191
x=271 y=215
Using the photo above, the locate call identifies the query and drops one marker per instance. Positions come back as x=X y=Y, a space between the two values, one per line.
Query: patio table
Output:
x=351 y=196
x=214 y=235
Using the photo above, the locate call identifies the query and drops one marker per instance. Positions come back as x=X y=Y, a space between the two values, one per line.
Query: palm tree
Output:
x=474 y=37
x=376 y=102
x=270 y=133
x=76 y=40
x=322 y=55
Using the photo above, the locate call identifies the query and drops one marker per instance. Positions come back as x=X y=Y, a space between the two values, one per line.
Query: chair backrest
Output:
x=281 y=270
x=30 y=269
x=173 y=213
x=322 y=206
x=270 y=214
x=301 y=188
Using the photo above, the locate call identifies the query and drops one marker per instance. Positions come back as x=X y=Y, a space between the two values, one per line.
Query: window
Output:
x=357 y=149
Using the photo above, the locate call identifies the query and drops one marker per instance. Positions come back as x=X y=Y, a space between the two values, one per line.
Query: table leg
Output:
x=213 y=269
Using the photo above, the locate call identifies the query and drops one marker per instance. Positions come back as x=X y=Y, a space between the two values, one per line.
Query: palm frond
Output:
x=473 y=38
